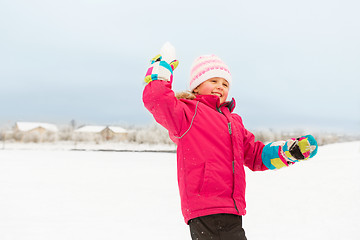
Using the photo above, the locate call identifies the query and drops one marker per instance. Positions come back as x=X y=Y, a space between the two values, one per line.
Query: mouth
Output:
x=217 y=94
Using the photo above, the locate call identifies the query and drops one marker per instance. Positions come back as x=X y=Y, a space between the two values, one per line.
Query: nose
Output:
x=220 y=86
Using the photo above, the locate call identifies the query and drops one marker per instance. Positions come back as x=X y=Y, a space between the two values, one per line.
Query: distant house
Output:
x=34 y=131
x=105 y=132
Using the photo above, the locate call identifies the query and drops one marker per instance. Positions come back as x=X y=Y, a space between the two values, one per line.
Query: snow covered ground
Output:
x=53 y=194
x=70 y=145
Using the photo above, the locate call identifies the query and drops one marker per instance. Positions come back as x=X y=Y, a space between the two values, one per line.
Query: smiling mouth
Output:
x=217 y=94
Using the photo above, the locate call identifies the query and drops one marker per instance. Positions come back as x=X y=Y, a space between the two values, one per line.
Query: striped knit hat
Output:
x=206 y=67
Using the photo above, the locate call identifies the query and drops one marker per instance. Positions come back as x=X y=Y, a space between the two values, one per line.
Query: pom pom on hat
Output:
x=206 y=67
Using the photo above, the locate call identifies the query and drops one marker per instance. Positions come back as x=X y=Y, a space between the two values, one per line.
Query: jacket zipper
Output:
x=236 y=206
x=219 y=108
x=233 y=167
x=233 y=162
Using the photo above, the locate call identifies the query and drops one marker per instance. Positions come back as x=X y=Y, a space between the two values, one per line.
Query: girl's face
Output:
x=214 y=86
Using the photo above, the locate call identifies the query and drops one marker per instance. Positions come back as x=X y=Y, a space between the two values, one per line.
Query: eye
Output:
x=225 y=85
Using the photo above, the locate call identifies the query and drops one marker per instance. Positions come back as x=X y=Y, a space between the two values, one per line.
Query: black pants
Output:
x=217 y=227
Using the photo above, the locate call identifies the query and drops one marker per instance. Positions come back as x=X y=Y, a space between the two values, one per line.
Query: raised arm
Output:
x=158 y=97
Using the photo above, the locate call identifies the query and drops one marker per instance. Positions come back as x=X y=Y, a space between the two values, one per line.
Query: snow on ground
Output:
x=69 y=145
x=62 y=194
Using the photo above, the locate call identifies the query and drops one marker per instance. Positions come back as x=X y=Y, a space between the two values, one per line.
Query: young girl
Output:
x=213 y=146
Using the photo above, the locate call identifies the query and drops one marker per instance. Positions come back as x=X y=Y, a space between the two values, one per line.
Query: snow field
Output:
x=317 y=199
x=61 y=194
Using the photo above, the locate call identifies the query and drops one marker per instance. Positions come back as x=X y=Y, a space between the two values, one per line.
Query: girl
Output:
x=213 y=146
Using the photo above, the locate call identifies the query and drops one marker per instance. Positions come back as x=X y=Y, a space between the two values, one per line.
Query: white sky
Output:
x=294 y=64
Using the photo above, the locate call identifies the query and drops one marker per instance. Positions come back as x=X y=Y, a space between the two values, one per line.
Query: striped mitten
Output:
x=276 y=155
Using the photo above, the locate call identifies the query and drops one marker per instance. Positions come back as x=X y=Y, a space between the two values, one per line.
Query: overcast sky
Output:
x=295 y=64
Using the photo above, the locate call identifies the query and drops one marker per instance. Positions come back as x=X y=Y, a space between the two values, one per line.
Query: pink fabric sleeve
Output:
x=167 y=110
x=252 y=150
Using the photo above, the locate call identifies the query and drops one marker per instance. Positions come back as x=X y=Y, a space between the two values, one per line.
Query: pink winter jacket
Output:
x=212 y=148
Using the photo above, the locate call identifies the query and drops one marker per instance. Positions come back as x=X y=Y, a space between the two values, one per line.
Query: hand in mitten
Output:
x=276 y=155
x=301 y=148
x=162 y=65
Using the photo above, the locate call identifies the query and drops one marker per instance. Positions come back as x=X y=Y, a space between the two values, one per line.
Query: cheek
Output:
x=225 y=94
x=206 y=89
